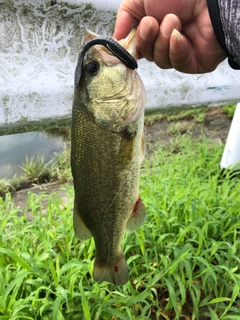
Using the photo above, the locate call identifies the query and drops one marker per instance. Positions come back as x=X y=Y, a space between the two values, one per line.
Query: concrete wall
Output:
x=38 y=52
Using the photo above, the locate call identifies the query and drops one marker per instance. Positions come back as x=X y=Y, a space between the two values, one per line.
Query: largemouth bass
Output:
x=106 y=153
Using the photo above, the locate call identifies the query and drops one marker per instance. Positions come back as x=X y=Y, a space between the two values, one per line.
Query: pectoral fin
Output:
x=138 y=216
x=126 y=151
x=81 y=230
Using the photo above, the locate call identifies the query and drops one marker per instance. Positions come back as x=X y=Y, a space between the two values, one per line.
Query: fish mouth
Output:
x=109 y=52
x=129 y=43
x=124 y=50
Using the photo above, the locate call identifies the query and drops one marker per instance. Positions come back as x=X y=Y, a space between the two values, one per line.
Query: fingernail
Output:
x=175 y=40
x=146 y=28
x=169 y=23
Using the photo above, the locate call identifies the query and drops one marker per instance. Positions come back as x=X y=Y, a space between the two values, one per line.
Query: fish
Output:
x=107 y=149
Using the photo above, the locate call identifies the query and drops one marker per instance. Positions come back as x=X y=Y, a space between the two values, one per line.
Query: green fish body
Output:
x=107 y=149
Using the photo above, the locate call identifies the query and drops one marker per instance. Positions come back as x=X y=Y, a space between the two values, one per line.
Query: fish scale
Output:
x=106 y=153
x=102 y=173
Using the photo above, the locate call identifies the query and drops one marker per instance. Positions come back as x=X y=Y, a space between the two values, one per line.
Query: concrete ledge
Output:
x=38 y=54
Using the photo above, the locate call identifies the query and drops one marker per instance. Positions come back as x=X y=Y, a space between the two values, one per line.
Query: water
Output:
x=15 y=148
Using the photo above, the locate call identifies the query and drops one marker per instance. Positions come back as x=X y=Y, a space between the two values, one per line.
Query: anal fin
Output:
x=81 y=230
x=138 y=216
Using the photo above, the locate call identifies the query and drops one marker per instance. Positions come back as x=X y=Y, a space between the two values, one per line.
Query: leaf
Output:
x=172 y=296
x=85 y=305
x=140 y=298
x=17 y=280
x=220 y=299
x=57 y=314
x=213 y=314
x=181 y=256
x=15 y=257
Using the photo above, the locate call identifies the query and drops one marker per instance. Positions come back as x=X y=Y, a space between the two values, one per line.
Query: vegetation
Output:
x=183 y=262
x=229 y=109
x=197 y=114
x=36 y=171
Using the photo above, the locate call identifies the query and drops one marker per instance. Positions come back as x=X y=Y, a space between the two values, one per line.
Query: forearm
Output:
x=225 y=17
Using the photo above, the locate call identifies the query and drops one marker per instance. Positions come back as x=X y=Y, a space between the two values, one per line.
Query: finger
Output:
x=124 y=24
x=145 y=37
x=129 y=15
x=181 y=54
x=162 y=43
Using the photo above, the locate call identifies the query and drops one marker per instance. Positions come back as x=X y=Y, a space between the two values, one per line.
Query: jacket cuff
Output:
x=218 y=30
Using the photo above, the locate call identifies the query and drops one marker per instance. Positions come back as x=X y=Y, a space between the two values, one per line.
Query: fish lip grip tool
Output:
x=112 y=45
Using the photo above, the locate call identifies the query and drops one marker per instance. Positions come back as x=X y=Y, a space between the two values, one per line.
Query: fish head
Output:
x=112 y=94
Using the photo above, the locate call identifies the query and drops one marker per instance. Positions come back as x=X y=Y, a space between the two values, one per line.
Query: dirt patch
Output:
x=215 y=127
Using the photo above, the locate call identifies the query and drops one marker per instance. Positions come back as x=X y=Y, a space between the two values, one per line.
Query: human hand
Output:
x=172 y=33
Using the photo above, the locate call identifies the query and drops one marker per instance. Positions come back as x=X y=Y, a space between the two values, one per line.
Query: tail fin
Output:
x=116 y=273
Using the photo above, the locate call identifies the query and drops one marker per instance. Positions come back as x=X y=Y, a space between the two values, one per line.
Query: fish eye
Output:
x=92 y=67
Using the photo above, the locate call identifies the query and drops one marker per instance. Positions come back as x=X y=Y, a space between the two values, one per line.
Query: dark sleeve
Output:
x=225 y=17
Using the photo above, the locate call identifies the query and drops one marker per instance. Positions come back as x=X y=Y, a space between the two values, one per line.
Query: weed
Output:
x=188 y=114
x=200 y=117
x=62 y=169
x=230 y=109
x=5 y=187
x=35 y=169
x=176 y=115
x=176 y=128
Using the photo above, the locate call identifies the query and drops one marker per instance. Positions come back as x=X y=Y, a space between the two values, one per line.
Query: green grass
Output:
x=230 y=109
x=37 y=171
x=183 y=262
x=197 y=114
